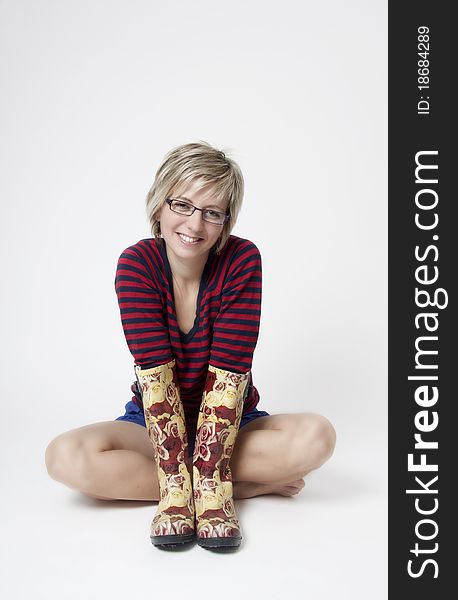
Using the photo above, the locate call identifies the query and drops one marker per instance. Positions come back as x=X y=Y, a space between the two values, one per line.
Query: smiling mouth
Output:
x=188 y=239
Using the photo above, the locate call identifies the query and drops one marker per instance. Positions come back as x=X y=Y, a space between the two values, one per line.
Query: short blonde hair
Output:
x=200 y=163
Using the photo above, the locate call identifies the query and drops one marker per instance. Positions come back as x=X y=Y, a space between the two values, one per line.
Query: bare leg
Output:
x=125 y=475
x=248 y=489
x=145 y=487
x=122 y=475
x=274 y=453
x=106 y=460
x=115 y=460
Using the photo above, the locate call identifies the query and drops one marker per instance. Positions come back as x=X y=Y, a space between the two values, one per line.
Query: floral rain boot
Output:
x=219 y=420
x=173 y=522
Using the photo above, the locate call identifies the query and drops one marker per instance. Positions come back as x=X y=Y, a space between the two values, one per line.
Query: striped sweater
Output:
x=226 y=326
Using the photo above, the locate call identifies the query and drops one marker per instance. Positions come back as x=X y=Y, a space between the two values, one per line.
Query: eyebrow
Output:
x=209 y=206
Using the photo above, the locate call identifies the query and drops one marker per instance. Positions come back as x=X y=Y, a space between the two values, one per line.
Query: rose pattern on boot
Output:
x=217 y=427
x=166 y=426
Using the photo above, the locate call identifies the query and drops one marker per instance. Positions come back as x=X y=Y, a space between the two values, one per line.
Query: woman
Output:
x=190 y=304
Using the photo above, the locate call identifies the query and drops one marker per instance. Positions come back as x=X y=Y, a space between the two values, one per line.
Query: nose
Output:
x=194 y=221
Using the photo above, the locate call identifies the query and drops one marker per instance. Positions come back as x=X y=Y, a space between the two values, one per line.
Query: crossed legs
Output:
x=114 y=460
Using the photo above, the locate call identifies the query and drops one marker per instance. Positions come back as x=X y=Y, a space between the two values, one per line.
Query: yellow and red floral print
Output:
x=219 y=420
x=165 y=423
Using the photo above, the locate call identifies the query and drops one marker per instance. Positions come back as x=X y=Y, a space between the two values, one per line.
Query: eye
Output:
x=213 y=213
x=179 y=204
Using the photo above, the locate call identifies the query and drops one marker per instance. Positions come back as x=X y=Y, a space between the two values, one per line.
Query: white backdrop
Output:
x=94 y=93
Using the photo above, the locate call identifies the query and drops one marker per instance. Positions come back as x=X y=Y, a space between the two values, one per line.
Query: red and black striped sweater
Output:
x=226 y=326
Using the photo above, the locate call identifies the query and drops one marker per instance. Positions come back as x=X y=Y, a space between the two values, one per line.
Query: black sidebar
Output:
x=423 y=251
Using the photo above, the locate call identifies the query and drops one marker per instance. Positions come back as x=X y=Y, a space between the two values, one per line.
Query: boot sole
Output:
x=219 y=543
x=169 y=542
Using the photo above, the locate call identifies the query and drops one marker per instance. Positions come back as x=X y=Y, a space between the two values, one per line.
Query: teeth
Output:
x=188 y=239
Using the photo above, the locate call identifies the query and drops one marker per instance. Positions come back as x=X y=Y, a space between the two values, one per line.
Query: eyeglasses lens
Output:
x=183 y=208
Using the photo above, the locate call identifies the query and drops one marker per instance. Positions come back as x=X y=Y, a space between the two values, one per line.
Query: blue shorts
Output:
x=134 y=414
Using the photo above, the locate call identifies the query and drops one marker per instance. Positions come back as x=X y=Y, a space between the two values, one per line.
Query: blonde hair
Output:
x=200 y=163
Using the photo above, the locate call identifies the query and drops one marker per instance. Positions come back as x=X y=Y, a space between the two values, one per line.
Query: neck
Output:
x=186 y=273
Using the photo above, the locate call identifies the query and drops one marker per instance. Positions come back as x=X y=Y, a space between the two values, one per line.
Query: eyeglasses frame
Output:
x=202 y=210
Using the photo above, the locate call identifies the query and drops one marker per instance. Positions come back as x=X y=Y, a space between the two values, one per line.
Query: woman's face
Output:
x=176 y=229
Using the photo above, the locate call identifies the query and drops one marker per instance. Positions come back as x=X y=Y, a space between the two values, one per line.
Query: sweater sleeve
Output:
x=141 y=310
x=236 y=327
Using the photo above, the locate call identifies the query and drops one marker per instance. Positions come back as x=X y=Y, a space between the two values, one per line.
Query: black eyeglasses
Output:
x=186 y=208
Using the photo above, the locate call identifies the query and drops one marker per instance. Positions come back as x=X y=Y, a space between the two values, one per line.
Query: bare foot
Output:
x=248 y=489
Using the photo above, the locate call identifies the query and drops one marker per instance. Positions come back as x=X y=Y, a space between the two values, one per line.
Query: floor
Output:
x=327 y=542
